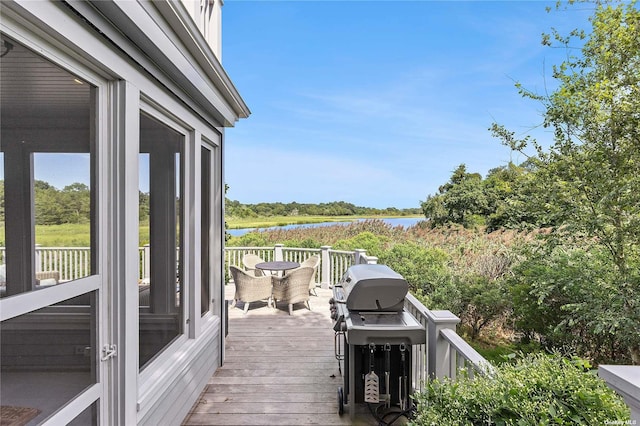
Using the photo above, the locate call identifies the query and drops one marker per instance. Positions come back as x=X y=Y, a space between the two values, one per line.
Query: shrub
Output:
x=483 y=301
x=365 y=240
x=251 y=239
x=538 y=389
x=424 y=268
x=571 y=299
x=445 y=296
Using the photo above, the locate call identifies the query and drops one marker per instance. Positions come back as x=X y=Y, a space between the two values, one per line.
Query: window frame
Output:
x=24 y=303
x=148 y=375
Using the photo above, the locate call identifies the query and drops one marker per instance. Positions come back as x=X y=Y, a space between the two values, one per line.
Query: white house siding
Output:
x=199 y=361
x=140 y=55
x=207 y=14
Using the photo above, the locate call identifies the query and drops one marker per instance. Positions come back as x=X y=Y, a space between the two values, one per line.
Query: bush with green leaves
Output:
x=483 y=301
x=424 y=268
x=535 y=390
x=250 y=239
x=372 y=243
x=571 y=299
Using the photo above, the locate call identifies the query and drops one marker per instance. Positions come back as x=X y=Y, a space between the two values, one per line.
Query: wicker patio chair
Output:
x=293 y=287
x=47 y=278
x=313 y=262
x=250 y=261
x=250 y=288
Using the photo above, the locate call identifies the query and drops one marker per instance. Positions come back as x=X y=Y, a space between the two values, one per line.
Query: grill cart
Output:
x=373 y=338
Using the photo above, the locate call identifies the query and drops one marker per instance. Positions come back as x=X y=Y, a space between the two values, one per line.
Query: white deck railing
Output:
x=444 y=354
x=71 y=262
x=625 y=380
x=75 y=262
x=333 y=263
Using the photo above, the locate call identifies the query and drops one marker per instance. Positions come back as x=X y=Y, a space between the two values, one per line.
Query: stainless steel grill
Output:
x=373 y=338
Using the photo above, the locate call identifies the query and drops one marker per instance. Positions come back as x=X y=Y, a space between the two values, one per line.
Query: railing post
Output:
x=625 y=380
x=359 y=255
x=278 y=253
x=325 y=262
x=38 y=258
x=147 y=262
x=372 y=260
x=438 y=349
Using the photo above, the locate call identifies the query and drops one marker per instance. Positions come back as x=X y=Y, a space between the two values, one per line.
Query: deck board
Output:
x=279 y=370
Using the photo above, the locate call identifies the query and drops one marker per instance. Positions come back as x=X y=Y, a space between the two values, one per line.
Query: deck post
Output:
x=279 y=257
x=38 y=257
x=359 y=256
x=146 y=274
x=325 y=267
x=625 y=380
x=438 y=349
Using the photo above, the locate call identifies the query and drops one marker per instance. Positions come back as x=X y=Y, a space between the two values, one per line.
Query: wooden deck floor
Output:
x=279 y=370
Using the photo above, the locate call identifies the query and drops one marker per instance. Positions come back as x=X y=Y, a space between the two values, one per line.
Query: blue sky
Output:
x=377 y=102
x=372 y=102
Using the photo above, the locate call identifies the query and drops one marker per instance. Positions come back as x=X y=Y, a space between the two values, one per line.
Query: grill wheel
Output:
x=340 y=401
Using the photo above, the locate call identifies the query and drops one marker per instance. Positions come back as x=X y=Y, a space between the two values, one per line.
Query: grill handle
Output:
x=337 y=345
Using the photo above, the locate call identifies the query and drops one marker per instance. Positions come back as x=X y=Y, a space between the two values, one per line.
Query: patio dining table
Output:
x=277 y=266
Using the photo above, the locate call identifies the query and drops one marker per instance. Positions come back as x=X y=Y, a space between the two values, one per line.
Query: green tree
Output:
x=76 y=199
x=509 y=190
x=462 y=200
x=143 y=206
x=588 y=179
x=49 y=210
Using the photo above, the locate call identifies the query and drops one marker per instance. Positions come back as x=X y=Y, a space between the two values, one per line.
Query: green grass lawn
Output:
x=69 y=235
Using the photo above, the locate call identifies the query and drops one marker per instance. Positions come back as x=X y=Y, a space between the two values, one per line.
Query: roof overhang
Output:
x=161 y=36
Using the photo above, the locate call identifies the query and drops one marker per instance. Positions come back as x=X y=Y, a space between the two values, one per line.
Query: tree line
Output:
x=53 y=206
x=236 y=209
x=71 y=204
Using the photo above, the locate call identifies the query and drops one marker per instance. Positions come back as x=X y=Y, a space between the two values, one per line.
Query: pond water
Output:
x=393 y=221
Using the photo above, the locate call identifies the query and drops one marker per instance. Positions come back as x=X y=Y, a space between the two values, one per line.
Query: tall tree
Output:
x=590 y=176
x=462 y=200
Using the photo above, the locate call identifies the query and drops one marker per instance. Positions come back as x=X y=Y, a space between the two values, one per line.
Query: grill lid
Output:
x=373 y=288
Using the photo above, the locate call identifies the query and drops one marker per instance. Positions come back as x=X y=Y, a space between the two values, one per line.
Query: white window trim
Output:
x=148 y=389
x=57 y=53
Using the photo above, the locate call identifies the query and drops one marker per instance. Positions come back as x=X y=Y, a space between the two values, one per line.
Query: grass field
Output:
x=68 y=235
